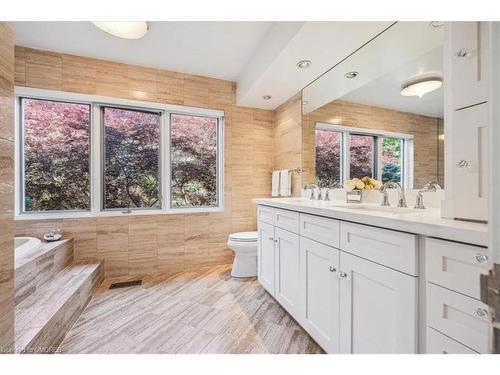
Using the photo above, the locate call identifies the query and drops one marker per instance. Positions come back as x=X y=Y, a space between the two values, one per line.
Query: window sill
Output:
x=82 y=215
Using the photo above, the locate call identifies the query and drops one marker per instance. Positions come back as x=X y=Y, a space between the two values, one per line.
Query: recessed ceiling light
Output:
x=125 y=30
x=267 y=97
x=421 y=87
x=304 y=64
x=305 y=102
x=351 y=75
x=437 y=23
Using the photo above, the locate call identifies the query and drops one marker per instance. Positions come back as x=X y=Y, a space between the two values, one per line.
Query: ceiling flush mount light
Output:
x=351 y=75
x=125 y=30
x=437 y=23
x=421 y=87
x=305 y=102
x=267 y=97
x=304 y=64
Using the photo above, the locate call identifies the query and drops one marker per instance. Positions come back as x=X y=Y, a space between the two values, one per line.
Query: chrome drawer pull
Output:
x=463 y=52
x=343 y=275
x=481 y=313
x=481 y=258
x=463 y=164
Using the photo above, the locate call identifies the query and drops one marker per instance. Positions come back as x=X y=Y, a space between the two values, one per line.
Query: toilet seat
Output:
x=243 y=237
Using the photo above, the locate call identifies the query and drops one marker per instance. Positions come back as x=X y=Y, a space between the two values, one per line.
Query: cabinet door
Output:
x=470 y=169
x=378 y=309
x=265 y=272
x=469 y=63
x=319 y=285
x=287 y=267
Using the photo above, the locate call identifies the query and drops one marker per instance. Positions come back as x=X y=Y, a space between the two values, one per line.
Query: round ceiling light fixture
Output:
x=125 y=30
x=267 y=97
x=304 y=64
x=437 y=23
x=305 y=102
x=421 y=87
x=351 y=75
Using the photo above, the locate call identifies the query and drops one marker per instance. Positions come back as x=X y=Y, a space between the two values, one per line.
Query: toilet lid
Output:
x=243 y=237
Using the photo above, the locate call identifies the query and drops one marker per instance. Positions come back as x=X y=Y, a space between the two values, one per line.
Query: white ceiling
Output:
x=213 y=49
x=385 y=91
x=260 y=56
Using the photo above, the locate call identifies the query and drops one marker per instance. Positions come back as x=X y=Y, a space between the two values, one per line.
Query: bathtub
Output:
x=26 y=248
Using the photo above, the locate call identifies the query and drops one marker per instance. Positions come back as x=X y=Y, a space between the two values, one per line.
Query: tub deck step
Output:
x=44 y=317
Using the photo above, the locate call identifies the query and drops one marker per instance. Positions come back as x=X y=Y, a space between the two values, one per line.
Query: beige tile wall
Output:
x=288 y=138
x=424 y=129
x=160 y=243
x=6 y=186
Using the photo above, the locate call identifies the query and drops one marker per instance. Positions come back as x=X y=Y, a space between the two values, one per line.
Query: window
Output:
x=149 y=157
x=131 y=158
x=56 y=155
x=343 y=153
x=193 y=161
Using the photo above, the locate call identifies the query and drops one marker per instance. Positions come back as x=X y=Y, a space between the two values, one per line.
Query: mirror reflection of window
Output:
x=361 y=161
x=328 y=158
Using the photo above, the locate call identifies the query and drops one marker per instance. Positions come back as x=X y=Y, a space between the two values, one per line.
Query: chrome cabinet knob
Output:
x=463 y=52
x=481 y=258
x=481 y=313
x=463 y=164
x=332 y=269
x=343 y=275
x=271 y=238
x=276 y=241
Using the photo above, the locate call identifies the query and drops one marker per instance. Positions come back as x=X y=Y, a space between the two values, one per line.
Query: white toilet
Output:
x=244 y=245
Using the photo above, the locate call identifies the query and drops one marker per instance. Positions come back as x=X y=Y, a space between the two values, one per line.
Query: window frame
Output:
x=102 y=171
x=346 y=131
x=97 y=155
x=218 y=168
x=20 y=178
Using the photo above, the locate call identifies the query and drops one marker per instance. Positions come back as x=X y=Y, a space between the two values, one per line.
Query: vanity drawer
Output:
x=265 y=214
x=393 y=249
x=455 y=266
x=288 y=220
x=320 y=229
x=437 y=343
x=462 y=318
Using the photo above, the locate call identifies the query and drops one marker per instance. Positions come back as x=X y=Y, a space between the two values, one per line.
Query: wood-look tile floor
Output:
x=199 y=311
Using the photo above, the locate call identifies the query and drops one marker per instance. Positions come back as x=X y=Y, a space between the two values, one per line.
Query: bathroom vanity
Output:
x=369 y=279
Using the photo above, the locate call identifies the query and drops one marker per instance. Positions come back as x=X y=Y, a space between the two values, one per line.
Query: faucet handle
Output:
x=385 y=200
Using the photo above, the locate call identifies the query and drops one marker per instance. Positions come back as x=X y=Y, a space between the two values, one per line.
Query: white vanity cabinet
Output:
x=347 y=303
x=378 y=308
x=453 y=306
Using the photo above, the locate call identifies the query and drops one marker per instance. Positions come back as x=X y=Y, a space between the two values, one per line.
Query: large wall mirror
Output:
x=379 y=112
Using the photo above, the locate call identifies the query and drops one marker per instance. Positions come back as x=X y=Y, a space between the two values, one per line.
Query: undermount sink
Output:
x=378 y=208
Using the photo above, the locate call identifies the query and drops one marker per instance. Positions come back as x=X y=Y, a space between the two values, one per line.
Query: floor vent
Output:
x=125 y=284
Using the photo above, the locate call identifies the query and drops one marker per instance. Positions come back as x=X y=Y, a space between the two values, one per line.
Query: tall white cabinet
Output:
x=467 y=90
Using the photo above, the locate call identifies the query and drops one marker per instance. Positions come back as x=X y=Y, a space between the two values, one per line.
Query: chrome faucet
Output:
x=401 y=193
x=428 y=187
x=313 y=187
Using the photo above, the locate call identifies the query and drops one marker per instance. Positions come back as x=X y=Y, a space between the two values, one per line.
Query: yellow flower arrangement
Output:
x=365 y=183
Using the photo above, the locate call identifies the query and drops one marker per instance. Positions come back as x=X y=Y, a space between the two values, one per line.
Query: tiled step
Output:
x=40 y=268
x=44 y=317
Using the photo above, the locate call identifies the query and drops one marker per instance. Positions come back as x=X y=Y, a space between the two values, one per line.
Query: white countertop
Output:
x=425 y=222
